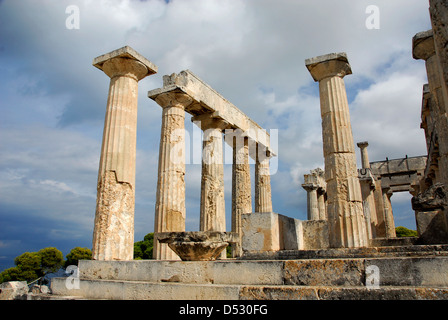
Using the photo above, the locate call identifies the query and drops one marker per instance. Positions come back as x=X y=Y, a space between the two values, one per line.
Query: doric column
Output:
x=113 y=235
x=438 y=10
x=241 y=185
x=388 y=213
x=367 y=182
x=263 y=197
x=344 y=201
x=322 y=205
x=378 y=221
x=364 y=154
x=424 y=48
x=170 y=198
x=212 y=210
x=312 y=201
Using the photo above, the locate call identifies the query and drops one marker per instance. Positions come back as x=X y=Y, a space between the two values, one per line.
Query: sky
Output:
x=53 y=101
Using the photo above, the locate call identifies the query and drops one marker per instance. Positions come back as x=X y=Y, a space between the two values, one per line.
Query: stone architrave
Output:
x=170 y=199
x=346 y=220
x=212 y=209
x=263 y=196
x=113 y=235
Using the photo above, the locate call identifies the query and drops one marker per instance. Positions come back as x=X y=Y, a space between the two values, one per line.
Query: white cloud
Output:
x=251 y=51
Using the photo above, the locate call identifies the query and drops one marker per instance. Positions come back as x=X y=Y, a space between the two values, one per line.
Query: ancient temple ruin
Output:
x=347 y=247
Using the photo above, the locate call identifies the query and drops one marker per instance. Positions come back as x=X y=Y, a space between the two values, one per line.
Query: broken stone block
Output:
x=13 y=290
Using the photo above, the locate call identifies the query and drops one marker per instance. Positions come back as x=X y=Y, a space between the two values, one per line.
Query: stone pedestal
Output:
x=170 y=198
x=344 y=200
x=113 y=235
x=198 y=246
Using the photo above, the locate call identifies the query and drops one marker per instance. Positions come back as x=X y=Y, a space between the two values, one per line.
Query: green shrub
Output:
x=405 y=232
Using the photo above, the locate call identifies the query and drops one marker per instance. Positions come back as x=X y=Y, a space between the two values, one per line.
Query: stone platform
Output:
x=420 y=274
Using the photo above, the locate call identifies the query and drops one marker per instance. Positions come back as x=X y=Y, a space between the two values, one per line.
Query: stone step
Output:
x=366 y=252
x=391 y=271
x=139 y=290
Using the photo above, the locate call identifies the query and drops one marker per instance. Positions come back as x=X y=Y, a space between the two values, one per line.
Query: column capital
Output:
x=423 y=45
x=363 y=144
x=310 y=186
x=174 y=99
x=329 y=65
x=210 y=121
x=387 y=190
x=125 y=62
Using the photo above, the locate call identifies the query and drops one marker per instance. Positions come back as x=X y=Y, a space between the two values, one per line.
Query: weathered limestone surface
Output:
x=364 y=154
x=388 y=213
x=424 y=48
x=367 y=182
x=170 y=198
x=113 y=236
x=414 y=277
x=430 y=215
x=344 y=201
x=312 y=203
x=13 y=290
x=241 y=185
x=268 y=231
x=197 y=245
x=439 y=18
x=212 y=209
x=315 y=186
x=214 y=114
x=208 y=100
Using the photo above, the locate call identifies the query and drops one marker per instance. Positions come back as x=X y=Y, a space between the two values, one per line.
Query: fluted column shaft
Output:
x=212 y=212
x=113 y=235
x=321 y=203
x=388 y=214
x=241 y=185
x=364 y=154
x=345 y=213
x=312 y=202
x=263 y=195
x=170 y=199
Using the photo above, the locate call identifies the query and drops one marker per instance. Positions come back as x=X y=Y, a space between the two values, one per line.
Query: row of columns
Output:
x=170 y=200
x=113 y=236
x=376 y=200
x=315 y=186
